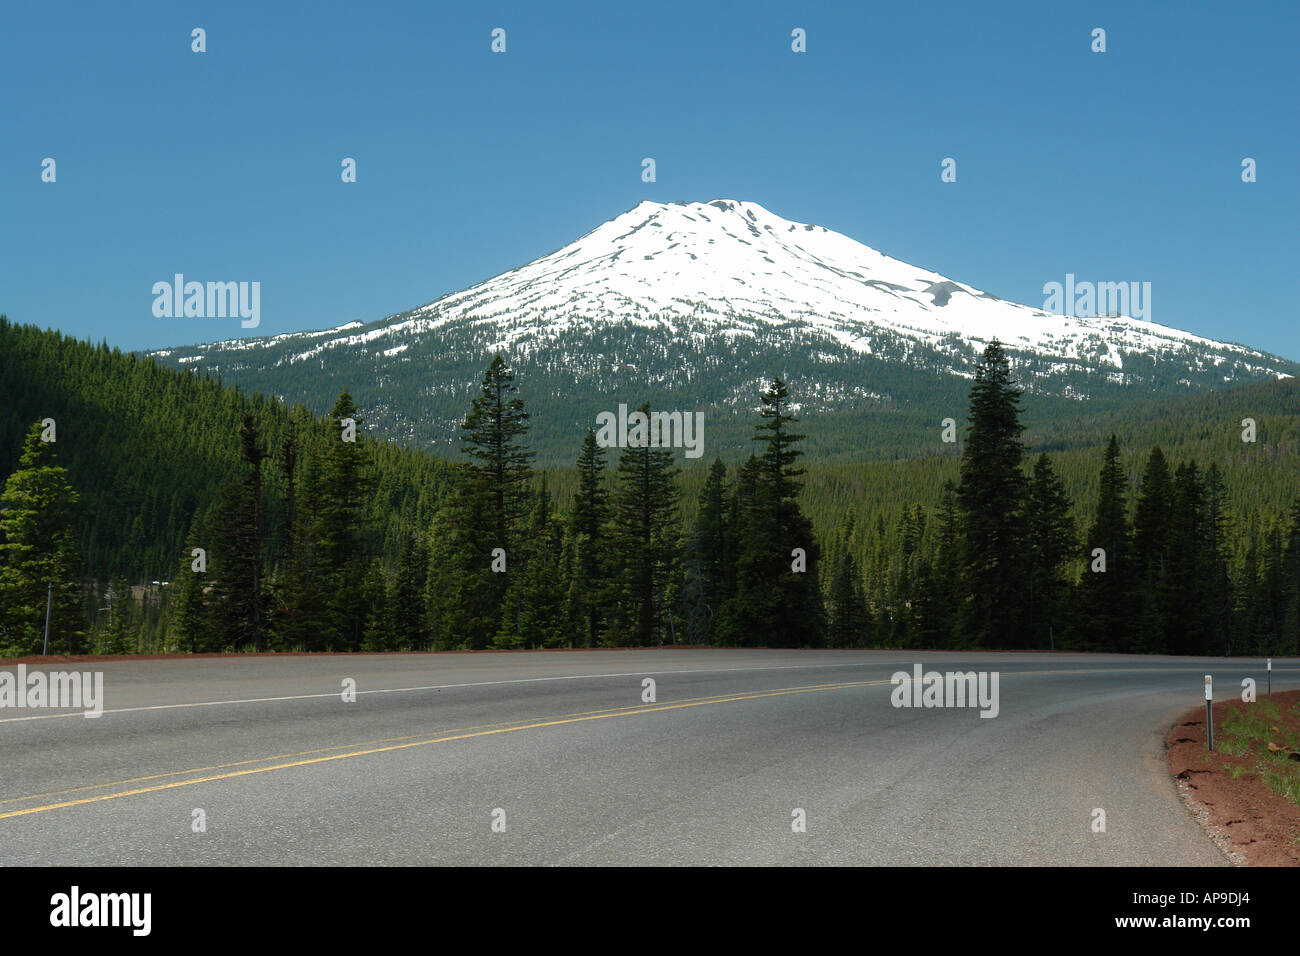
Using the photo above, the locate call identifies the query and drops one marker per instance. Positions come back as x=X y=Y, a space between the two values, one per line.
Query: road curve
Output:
x=557 y=758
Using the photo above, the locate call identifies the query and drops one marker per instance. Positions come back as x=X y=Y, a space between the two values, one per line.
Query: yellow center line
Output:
x=319 y=750
x=237 y=763
x=444 y=737
x=477 y=730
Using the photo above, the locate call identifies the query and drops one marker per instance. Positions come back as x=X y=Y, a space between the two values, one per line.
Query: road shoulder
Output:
x=1228 y=790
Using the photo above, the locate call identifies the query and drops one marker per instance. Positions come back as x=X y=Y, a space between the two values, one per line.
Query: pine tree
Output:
x=1188 y=571
x=1146 y=577
x=492 y=436
x=1269 y=596
x=1051 y=544
x=193 y=627
x=732 y=624
x=848 y=609
x=1247 y=612
x=465 y=596
x=939 y=625
x=535 y=611
x=289 y=474
x=777 y=604
x=1291 y=583
x=877 y=583
x=38 y=549
x=991 y=498
x=406 y=596
x=1104 y=619
x=298 y=590
x=1218 y=594
x=378 y=633
x=644 y=539
x=911 y=567
x=590 y=591
x=709 y=555
x=342 y=558
x=491 y=503
x=238 y=601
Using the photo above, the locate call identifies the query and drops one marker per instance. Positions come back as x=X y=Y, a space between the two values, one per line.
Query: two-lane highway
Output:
x=560 y=758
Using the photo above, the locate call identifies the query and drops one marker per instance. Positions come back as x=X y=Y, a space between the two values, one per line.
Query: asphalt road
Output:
x=582 y=771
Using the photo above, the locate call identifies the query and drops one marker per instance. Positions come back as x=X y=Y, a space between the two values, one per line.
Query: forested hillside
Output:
x=148 y=451
x=880 y=406
x=310 y=540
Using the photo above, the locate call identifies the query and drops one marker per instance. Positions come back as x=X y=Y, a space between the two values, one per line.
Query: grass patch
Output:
x=1246 y=730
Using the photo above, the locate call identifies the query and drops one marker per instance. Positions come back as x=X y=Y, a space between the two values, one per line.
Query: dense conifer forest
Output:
x=158 y=510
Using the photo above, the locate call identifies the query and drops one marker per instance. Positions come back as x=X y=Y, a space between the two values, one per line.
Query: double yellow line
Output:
x=482 y=730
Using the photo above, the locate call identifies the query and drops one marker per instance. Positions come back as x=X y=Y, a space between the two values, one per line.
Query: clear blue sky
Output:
x=225 y=165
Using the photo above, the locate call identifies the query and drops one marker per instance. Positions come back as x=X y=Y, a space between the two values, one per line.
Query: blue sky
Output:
x=1118 y=166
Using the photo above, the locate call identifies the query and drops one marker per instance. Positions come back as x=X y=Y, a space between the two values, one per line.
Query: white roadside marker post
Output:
x=1270 y=677
x=1209 y=712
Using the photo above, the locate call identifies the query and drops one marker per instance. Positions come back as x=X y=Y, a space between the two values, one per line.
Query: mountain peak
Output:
x=742 y=284
x=752 y=211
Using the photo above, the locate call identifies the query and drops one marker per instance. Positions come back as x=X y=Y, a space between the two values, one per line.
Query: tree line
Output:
x=500 y=565
x=999 y=561
x=322 y=542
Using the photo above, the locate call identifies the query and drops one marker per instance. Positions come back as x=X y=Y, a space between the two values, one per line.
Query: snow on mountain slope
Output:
x=737 y=258
x=727 y=267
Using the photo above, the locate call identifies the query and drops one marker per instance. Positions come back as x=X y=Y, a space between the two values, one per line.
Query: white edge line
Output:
x=490 y=683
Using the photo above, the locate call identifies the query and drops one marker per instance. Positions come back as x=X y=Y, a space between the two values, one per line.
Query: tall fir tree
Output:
x=847 y=625
x=299 y=590
x=492 y=437
x=1268 y=597
x=1051 y=544
x=492 y=502
x=406 y=595
x=1188 y=572
x=940 y=627
x=710 y=555
x=644 y=537
x=535 y=610
x=38 y=549
x=342 y=559
x=590 y=584
x=1103 y=615
x=192 y=621
x=1150 y=554
x=378 y=631
x=1291 y=582
x=1218 y=594
x=731 y=624
x=464 y=594
x=777 y=599
x=238 y=601
x=991 y=497
x=911 y=569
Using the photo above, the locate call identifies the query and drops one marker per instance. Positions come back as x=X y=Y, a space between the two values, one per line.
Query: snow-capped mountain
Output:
x=696 y=302
x=744 y=265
